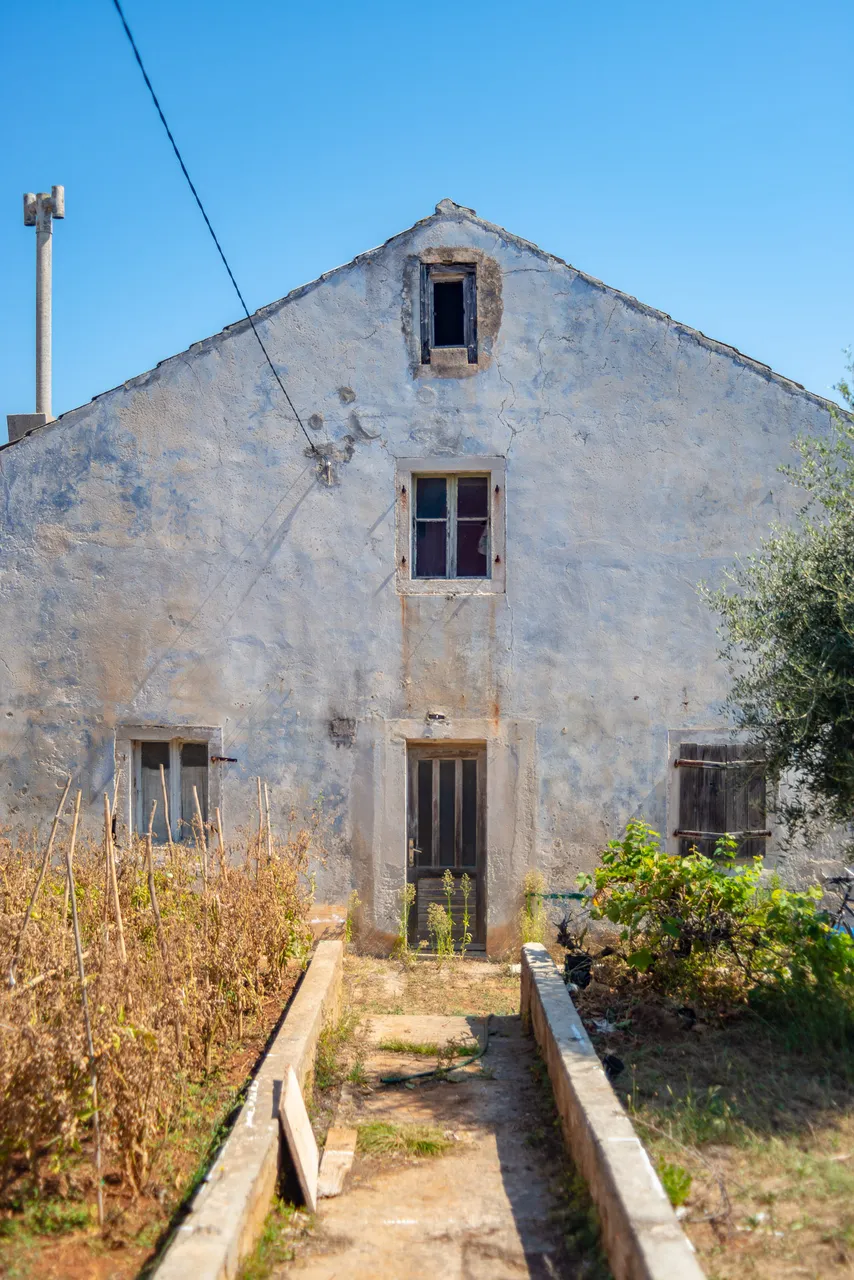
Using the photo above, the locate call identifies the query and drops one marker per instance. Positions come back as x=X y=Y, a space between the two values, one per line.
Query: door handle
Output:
x=412 y=852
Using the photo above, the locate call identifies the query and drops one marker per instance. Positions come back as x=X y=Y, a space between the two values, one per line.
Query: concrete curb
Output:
x=640 y=1232
x=228 y=1212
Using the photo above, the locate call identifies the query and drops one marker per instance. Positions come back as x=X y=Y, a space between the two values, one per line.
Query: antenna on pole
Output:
x=39 y=212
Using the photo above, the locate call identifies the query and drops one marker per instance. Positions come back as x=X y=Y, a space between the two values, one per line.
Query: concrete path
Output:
x=487 y=1209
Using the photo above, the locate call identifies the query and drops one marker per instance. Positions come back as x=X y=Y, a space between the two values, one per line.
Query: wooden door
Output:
x=447 y=832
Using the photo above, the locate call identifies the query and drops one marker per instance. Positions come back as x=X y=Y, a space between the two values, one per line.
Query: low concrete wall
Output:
x=229 y=1210
x=640 y=1231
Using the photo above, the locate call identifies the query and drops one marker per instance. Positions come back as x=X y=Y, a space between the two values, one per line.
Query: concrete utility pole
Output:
x=39 y=212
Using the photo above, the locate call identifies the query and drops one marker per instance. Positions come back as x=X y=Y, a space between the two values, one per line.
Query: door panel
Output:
x=447 y=832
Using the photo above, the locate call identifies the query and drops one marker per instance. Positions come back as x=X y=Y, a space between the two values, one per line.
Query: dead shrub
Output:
x=221 y=946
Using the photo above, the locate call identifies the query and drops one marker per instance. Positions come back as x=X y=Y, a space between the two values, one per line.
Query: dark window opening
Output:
x=448 y=309
x=452 y=525
x=449 y=328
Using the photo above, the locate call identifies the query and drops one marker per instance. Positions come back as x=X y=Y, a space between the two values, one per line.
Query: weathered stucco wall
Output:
x=171 y=554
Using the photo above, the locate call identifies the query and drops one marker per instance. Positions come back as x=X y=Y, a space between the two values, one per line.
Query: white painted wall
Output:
x=169 y=555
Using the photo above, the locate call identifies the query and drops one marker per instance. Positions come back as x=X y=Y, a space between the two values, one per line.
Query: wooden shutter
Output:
x=702 y=797
x=746 y=799
x=717 y=801
x=470 y=312
x=426 y=308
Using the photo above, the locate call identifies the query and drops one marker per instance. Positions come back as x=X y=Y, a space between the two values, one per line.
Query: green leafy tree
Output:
x=788 y=628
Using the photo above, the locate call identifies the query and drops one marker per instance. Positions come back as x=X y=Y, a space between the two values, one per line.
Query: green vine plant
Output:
x=401 y=949
x=440 y=929
x=353 y=904
x=465 y=938
x=533 y=921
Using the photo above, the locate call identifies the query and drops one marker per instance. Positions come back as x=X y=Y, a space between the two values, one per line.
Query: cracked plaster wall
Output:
x=169 y=555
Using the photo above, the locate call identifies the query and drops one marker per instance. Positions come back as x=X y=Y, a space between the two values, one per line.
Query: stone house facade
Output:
x=465 y=613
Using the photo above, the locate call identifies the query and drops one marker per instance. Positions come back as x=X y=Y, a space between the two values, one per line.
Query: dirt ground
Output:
x=765 y=1133
x=56 y=1237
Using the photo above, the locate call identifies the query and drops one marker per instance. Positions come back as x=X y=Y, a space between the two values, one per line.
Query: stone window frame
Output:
x=405 y=470
x=128 y=734
x=453 y=362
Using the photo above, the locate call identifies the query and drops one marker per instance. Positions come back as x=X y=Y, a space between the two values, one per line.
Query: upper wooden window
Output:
x=721 y=792
x=448 y=309
x=451 y=527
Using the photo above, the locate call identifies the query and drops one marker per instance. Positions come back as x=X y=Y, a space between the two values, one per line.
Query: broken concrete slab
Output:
x=300 y=1139
x=338 y=1156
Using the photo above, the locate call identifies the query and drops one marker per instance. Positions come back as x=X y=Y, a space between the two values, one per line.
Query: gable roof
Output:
x=448 y=209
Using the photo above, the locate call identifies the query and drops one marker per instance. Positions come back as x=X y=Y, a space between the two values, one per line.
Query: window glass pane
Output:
x=447 y=805
x=473 y=496
x=194 y=773
x=472 y=548
x=425 y=813
x=431 y=501
x=430 y=549
x=153 y=755
x=449 y=328
x=469 y=813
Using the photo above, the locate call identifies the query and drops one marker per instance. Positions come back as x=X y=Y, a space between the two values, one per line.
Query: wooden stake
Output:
x=81 y=973
x=202 y=839
x=260 y=830
x=158 y=920
x=219 y=836
x=269 y=828
x=39 y=882
x=166 y=810
x=111 y=873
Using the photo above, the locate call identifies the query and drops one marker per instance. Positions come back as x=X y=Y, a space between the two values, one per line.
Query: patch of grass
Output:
x=676 y=1181
x=330 y=1063
x=357 y=1075
x=276 y=1245
x=379 y=1138
x=428 y=1049
x=47 y=1218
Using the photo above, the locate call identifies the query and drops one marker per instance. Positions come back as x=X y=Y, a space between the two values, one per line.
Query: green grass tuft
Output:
x=381 y=1138
x=427 y=1049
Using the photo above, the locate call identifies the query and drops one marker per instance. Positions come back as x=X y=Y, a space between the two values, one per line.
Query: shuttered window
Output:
x=721 y=791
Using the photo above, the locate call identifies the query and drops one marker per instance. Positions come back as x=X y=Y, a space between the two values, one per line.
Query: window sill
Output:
x=450 y=586
x=449 y=362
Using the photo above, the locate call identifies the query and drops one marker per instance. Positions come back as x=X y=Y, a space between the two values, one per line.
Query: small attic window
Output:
x=448 y=309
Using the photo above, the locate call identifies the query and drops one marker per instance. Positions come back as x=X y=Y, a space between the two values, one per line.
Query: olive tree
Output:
x=787 y=622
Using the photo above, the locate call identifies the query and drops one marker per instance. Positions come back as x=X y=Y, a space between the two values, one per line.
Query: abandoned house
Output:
x=465 y=614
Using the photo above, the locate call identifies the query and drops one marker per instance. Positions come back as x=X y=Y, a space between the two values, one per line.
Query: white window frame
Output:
x=129 y=738
x=407 y=472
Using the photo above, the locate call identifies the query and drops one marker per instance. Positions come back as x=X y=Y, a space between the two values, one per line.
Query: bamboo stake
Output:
x=116 y=782
x=202 y=840
x=219 y=836
x=39 y=882
x=93 y=1074
x=260 y=831
x=269 y=828
x=166 y=811
x=111 y=871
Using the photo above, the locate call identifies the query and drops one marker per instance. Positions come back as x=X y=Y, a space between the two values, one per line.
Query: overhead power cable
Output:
x=203 y=212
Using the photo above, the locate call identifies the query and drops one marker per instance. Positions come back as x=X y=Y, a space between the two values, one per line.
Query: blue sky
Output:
x=697 y=156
